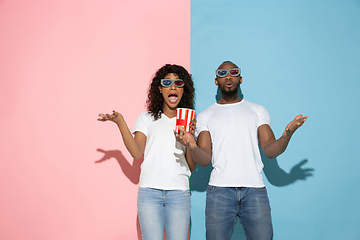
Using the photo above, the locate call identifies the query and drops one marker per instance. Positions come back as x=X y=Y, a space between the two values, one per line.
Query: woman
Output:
x=164 y=194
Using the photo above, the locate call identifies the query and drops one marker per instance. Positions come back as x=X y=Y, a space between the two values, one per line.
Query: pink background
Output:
x=62 y=63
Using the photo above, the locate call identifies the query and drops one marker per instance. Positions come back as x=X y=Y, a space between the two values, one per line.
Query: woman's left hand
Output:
x=186 y=138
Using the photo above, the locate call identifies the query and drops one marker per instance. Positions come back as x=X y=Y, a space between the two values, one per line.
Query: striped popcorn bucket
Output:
x=183 y=118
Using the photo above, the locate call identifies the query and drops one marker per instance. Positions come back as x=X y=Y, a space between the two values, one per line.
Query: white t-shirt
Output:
x=235 y=152
x=164 y=165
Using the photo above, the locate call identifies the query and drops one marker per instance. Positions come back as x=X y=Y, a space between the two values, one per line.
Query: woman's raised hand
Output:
x=114 y=117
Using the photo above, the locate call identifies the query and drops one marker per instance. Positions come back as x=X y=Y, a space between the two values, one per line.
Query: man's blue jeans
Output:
x=225 y=204
x=159 y=209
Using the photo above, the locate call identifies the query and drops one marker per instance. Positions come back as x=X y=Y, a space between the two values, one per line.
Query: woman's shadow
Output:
x=131 y=171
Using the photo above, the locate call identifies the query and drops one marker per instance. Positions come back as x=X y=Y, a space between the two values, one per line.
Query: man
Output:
x=229 y=133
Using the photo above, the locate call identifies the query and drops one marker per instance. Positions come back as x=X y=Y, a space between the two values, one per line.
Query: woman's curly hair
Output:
x=155 y=99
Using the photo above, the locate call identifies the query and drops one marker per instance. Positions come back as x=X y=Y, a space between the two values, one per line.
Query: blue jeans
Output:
x=159 y=209
x=225 y=204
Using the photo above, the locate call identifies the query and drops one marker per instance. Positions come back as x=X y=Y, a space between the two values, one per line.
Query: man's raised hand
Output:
x=294 y=125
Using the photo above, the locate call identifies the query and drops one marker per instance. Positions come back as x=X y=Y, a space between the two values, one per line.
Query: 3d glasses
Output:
x=234 y=72
x=169 y=82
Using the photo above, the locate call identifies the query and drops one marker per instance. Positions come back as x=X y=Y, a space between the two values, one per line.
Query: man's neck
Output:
x=229 y=100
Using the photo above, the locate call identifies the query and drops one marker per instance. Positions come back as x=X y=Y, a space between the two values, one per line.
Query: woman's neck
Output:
x=169 y=112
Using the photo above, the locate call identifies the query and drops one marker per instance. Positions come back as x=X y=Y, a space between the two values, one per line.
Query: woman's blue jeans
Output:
x=225 y=204
x=159 y=209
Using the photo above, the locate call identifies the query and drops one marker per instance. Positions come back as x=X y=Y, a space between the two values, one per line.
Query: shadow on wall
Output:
x=200 y=177
x=132 y=172
x=274 y=174
x=278 y=177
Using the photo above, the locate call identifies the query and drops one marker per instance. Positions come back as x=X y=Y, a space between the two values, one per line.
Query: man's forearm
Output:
x=274 y=148
x=277 y=147
x=200 y=156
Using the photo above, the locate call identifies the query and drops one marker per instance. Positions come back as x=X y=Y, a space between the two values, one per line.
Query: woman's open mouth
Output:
x=173 y=98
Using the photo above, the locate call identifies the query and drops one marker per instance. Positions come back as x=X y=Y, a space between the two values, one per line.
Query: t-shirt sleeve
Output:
x=141 y=123
x=264 y=116
x=200 y=124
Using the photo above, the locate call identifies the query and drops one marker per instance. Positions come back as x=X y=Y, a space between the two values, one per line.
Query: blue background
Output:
x=297 y=57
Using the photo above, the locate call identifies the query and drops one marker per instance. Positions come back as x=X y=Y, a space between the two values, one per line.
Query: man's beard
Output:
x=229 y=93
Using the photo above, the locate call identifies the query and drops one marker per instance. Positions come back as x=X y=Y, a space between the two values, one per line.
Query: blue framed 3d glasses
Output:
x=234 y=72
x=169 y=82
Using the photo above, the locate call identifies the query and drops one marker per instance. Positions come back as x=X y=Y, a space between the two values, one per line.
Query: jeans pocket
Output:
x=211 y=189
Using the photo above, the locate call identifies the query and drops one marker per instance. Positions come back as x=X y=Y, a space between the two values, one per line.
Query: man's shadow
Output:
x=275 y=175
x=280 y=178
x=131 y=171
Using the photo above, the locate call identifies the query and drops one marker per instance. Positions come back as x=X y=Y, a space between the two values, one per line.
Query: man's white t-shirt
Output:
x=235 y=152
x=164 y=165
